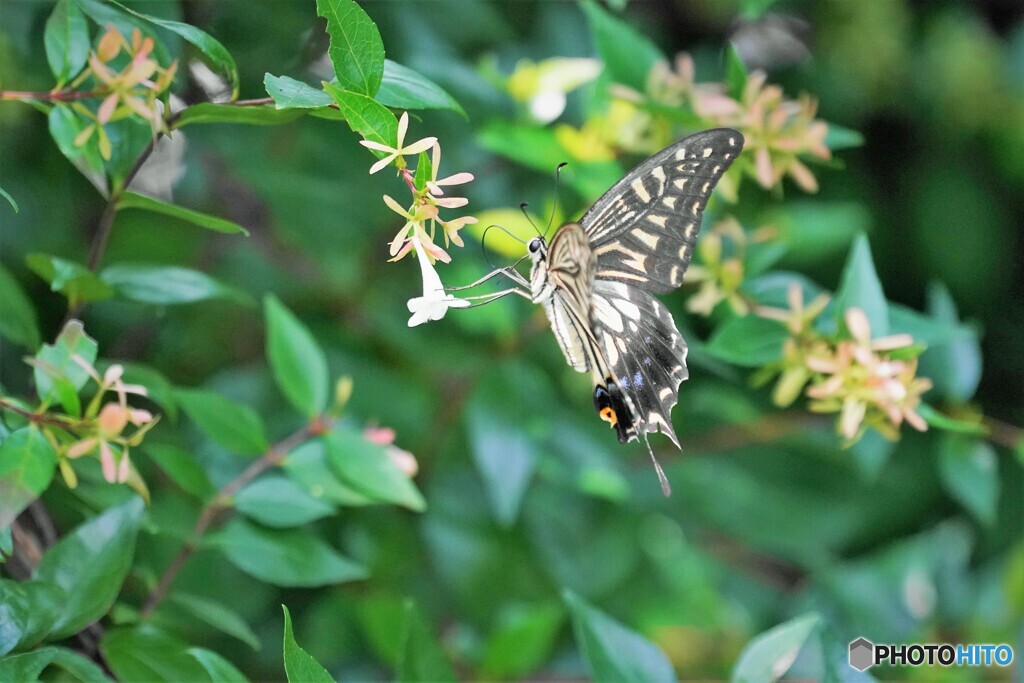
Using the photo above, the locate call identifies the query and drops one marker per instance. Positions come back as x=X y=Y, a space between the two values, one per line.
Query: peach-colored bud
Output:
x=107 y=462
x=139 y=417
x=123 y=468
x=107 y=108
x=113 y=373
x=404 y=461
x=851 y=417
x=83 y=447
x=382 y=436
x=112 y=420
x=858 y=325
x=109 y=45
x=763 y=166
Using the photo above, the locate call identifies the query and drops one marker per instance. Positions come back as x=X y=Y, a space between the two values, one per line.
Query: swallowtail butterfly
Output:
x=596 y=279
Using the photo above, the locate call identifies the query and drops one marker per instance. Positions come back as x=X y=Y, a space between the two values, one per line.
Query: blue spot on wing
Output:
x=638 y=380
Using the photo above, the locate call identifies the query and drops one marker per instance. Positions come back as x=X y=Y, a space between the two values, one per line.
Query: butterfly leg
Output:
x=507 y=271
x=488 y=298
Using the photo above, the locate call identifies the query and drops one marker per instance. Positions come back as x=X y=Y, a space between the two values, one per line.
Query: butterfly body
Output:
x=596 y=280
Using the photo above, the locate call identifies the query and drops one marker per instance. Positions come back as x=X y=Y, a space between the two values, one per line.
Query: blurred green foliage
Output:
x=529 y=544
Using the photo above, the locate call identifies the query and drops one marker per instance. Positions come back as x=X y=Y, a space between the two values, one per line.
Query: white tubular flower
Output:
x=435 y=302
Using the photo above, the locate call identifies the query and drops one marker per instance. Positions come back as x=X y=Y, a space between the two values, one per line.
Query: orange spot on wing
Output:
x=609 y=416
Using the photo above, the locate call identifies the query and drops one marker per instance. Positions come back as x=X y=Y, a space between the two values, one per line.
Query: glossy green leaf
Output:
x=614 y=652
x=217 y=668
x=67 y=40
x=368 y=469
x=522 y=640
x=18 y=321
x=404 y=88
x=256 y=115
x=65 y=126
x=29 y=666
x=231 y=425
x=283 y=557
x=145 y=654
x=166 y=285
x=217 y=615
x=90 y=563
x=71 y=279
x=297 y=361
x=421 y=657
x=735 y=73
x=182 y=468
x=56 y=374
x=289 y=93
x=308 y=466
x=27 y=462
x=10 y=200
x=504 y=454
x=970 y=473
x=749 y=341
x=954 y=366
x=627 y=54
x=770 y=655
x=277 y=501
x=859 y=287
x=215 y=53
x=28 y=611
x=949 y=424
x=365 y=116
x=299 y=665
x=356 y=50
x=133 y=200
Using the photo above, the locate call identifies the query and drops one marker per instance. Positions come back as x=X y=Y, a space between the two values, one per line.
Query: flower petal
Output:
x=419 y=146
x=382 y=163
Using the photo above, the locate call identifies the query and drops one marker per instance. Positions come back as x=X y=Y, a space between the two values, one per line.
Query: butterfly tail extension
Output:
x=666 y=488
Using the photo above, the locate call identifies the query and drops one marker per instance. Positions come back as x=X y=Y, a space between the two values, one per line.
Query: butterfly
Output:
x=597 y=279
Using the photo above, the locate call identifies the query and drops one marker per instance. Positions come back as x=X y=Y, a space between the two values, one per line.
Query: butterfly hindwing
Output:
x=644 y=350
x=643 y=229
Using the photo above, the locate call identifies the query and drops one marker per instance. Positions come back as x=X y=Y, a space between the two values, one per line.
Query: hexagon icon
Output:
x=862 y=654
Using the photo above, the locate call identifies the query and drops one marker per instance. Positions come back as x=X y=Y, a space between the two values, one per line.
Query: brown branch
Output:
x=36 y=418
x=47 y=96
x=223 y=501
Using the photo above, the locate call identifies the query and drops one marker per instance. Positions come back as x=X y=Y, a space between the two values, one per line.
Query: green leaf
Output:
x=627 y=54
x=57 y=377
x=277 y=501
x=356 y=50
x=297 y=361
x=27 y=462
x=860 y=288
x=18 y=320
x=10 y=199
x=424 y=171
x=522 y=640
x=612 y=651
x=365 y=116
x=970 y=473
x=65 y=125
x=748 y=341
x=28 y=611
x=368 y=468
x=299 y=665
x=133 y=200
x=289 y=93
x=145 y=654
x=217 y=615
x=90 y=564
x=504 y=455
x=73 y=280
x=182 y=468
x=954 y=366
x=770 y=655
x=256 y=115
x=230 y=425
x=217 y=668
x=166 y=285
x=735 y=73
x=839 y=137
x=948 y=424
x=307 y=465
x=28 y=666
x=284 y=557
x=421 y=657
x=404 y=88
x=67 y=40
x=215 y=53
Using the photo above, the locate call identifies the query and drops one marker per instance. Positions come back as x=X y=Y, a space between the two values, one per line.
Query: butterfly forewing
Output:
x=643 y=229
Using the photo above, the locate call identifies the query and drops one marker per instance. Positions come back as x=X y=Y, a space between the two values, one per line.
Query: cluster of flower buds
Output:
x=720 y=273
x=422 y=219
x=869 y=382
x=131 y=88
x=101 y=430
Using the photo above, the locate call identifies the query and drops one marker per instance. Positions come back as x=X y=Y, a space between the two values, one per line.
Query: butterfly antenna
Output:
x=483 y=241
x=522 y=207
x=554 y=207
x=666 y=488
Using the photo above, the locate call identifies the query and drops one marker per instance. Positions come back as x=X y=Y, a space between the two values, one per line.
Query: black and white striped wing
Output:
x=643 y=229
x=644 y=350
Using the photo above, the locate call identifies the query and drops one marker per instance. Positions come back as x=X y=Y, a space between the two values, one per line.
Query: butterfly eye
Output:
x=534 y=245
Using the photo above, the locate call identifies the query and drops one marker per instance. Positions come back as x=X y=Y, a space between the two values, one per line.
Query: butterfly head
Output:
x=537 y=248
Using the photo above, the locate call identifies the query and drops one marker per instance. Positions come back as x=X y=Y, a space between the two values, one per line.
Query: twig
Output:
x=37 y=418
x=47 y=96
x=1003 y=434
x=223 y=501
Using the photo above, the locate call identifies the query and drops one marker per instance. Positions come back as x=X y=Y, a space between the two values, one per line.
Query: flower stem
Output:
x=223 y=501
